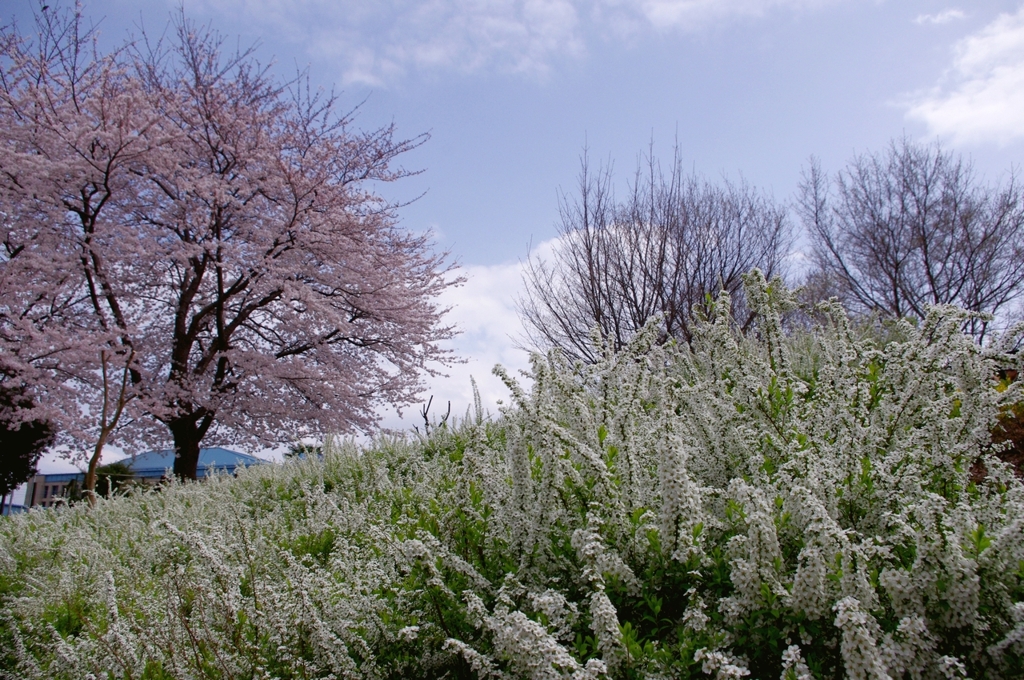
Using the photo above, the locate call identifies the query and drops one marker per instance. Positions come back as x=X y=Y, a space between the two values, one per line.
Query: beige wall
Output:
x=41 y=492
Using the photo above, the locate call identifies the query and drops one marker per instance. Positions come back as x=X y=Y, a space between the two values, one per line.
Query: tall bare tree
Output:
x=674 y=241
x=913 y=226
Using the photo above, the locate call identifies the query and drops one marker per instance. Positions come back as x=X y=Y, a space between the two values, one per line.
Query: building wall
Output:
x=46 y=490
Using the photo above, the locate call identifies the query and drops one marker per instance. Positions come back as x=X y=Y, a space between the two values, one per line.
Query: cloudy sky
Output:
x=511 y=91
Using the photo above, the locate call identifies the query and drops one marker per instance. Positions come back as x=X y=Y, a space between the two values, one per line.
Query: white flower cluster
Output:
x=793 y=665
x=604 y=620
x=561 y=614
x=530 y=650
x=694 y=618
x=721 y=665
x=861 y=657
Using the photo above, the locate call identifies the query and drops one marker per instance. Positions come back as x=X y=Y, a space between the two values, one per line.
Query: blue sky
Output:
x=511 y=91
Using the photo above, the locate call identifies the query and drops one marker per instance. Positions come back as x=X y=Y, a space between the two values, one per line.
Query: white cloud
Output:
x=695 y=14
x=521 y=36
x=484 y=309
x=944 y=17
x=381 y=41
x=981 y=98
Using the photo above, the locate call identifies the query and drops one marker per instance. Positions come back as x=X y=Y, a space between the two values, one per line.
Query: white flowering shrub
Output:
x=763 y=506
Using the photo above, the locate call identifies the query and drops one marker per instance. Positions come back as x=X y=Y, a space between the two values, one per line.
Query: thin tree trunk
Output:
x=108 y=421
x=89 y=485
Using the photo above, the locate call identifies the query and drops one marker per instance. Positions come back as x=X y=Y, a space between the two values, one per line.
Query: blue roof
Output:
x=156 y=463
x=63 y=477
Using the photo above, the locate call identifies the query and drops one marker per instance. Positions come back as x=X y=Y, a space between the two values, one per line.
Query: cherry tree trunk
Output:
x=186 y=448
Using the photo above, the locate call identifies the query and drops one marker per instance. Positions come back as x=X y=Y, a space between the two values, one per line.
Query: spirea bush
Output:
x=810 y=505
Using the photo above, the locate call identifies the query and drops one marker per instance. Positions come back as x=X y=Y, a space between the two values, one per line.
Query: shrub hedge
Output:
x=769 y=505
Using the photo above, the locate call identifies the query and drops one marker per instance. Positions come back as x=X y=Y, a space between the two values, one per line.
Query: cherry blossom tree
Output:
x=208 y=254
x=70 y=128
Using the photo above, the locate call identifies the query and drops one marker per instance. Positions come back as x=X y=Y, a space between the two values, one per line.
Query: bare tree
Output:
x=666 y=250
x=912 y=227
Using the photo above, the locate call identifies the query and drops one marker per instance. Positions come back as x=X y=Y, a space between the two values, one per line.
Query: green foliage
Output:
x=773 y=506
x=21 y=441
x=110 y=479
